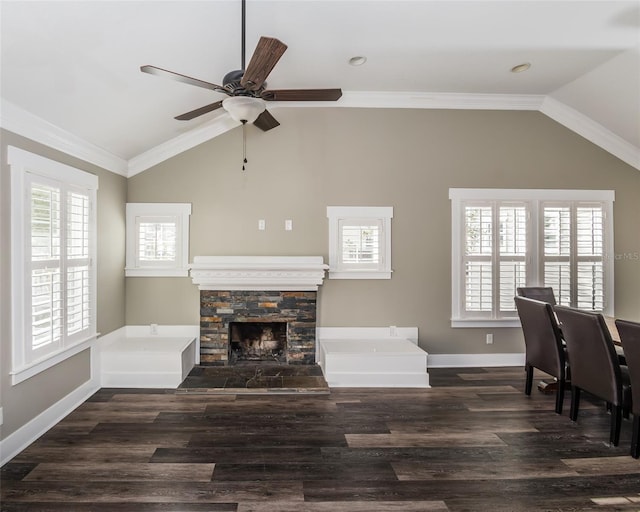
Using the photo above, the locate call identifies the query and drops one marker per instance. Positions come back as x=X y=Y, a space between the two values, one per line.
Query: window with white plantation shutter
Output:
x=53 y=248
x=505 y=239
x=359 y=242
x=157 y=239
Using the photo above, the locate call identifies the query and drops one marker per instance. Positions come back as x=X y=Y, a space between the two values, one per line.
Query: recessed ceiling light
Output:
x=521 y=67
x=358 y=60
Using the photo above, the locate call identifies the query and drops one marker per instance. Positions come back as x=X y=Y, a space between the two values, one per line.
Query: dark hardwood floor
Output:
x=473 y=442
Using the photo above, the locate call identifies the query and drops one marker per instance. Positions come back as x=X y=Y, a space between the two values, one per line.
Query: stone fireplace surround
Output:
x=258 y=289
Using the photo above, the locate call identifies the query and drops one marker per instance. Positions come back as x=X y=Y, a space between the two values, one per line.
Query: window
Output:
x=157 y=239
x=359 y=242
x=504 y=239
x=53 y=261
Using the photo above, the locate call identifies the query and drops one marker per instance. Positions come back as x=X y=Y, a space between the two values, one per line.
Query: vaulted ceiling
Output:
x=70 y=70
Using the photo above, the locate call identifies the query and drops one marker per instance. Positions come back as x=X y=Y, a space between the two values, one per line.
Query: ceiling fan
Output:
x=246 y=87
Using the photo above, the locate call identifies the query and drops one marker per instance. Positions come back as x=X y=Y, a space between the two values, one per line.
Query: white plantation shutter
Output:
x=590 y=255
x=478 y=258
x=512 y=253
x=556 y=247
x=78 y=262
x=494 y=260
x=157 y=239
x=46 y=268
x=60 y=266
x=573 y=253
x=360 y=243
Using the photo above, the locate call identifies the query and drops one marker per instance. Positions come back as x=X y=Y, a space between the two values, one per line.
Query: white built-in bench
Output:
x=372 y=357
x=129 y=359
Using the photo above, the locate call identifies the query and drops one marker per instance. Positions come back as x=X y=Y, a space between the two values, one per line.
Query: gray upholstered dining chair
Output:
x=543 y=344
x=594 y=364
x=543 y=293
x=630 y=338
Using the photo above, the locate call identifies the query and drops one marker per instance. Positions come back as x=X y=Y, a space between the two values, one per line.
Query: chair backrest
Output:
x=543 y=293
x=542 y=337
x=630 y=339
x=592 y=355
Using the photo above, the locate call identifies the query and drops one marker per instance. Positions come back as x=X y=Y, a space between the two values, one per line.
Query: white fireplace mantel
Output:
x=283 y=273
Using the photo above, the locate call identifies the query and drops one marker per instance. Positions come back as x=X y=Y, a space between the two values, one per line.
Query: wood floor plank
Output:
x=121 y=472
x=303 y=471
x=134 y=492
x=420 y=440
x=464 y=470
x=622 y=465
x=38 y=453
x=350 y=506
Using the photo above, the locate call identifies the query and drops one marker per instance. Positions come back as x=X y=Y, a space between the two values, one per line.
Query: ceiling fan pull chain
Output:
x=244 y=144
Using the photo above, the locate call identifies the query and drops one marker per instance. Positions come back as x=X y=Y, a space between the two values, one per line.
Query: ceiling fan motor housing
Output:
x=231 y=83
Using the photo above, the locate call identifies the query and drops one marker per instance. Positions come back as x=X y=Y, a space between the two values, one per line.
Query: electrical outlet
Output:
x=154 y=329
x=288 y=225
x=262 y=225
x=490 y=338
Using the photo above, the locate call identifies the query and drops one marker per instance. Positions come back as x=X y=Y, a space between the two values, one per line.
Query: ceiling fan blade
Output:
x=152 y=70
x=265 y=57
x=187 y=116
x=302 y=95
x=266 y=121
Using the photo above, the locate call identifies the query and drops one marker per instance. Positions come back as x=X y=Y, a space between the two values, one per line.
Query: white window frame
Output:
x=177 y=213
x=364 y=216
x=27 y=168
x=535 y=199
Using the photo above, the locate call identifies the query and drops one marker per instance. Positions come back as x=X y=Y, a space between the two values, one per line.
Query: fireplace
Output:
x=257 y=342
x=257 y=309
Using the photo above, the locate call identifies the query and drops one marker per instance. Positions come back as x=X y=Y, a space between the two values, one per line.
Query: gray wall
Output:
x=319 y=157
x=23 y=402
x=407 y=159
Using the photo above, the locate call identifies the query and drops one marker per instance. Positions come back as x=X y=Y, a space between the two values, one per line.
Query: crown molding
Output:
x=440 y=100
x=591 y=130
x=21 y=122
x=181 y=143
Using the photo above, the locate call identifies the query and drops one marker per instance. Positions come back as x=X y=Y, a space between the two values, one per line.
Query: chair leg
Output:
x=528 y=383
x=575 y=403
x=559 y=396
x=635 y=437
x=616 y=422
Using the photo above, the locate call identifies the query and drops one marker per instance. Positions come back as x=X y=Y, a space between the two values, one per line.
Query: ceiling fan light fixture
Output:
x=244 y=109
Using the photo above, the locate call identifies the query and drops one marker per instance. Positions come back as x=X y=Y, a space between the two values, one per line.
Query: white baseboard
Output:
x=24 y=436
x=474 y=360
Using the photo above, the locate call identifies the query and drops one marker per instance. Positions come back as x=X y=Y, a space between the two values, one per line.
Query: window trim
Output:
x=180 y=212
x=23 y=165
x=365 y=214
x=534 y=196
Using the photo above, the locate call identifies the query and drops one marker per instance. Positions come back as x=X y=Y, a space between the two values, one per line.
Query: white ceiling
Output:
x=74 y=65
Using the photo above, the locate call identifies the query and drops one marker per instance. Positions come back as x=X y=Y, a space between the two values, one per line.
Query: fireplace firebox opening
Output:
x=257 y=342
